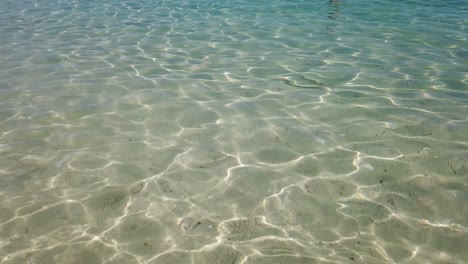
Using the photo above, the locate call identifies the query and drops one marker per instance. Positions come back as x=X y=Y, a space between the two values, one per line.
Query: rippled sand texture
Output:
x=233 y=132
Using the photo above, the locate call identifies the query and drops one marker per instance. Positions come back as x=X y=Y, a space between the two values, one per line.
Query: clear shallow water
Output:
x=233 y=132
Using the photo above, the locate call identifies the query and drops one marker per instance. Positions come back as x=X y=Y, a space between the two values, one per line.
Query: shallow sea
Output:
x=233 y=131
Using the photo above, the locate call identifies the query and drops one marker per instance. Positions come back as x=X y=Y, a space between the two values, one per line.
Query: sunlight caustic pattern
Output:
x=233 y=132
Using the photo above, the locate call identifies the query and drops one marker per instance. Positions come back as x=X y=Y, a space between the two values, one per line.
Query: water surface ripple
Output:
x=233 y=131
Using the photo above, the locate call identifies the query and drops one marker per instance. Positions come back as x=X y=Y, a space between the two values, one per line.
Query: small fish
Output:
x=302 y=82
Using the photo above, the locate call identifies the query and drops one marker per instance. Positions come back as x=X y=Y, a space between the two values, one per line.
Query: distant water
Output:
x=208 y=131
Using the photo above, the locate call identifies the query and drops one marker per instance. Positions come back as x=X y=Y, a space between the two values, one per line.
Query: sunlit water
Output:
x=233 y=131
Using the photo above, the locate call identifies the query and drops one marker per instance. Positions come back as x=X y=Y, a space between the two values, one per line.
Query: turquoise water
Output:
x=233 y=131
